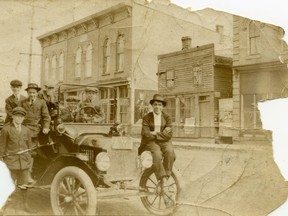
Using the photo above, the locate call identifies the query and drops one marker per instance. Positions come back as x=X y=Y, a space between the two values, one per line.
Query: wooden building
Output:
x=258 y=74
x=192 y=81
x=118 y=48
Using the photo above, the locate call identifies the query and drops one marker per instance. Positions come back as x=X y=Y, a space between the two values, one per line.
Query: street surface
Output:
x=221 y=180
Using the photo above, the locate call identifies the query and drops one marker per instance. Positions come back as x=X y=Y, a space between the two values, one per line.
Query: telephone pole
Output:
x=30 y=53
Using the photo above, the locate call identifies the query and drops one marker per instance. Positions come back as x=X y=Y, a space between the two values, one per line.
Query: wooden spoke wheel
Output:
x=73 y=193
x=160 y=199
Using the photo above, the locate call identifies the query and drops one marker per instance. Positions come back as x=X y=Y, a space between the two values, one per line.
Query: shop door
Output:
x=205 y=128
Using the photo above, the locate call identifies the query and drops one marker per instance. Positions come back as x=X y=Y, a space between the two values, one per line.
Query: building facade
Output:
x=116 y=50
x=193 y=81
x=258 y=74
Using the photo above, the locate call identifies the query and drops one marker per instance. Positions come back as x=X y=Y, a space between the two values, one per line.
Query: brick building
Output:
x=193 y=80
x=118 y=48
x=258 y=73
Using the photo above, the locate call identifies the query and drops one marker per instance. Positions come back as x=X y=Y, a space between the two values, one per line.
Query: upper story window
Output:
x=170 y=78
x=46 y=68
x=61 y=67
x=53 y=68
x=88 y=68
x=120 y=53
x=106 y=56
x=78 y=62
x=254 y=38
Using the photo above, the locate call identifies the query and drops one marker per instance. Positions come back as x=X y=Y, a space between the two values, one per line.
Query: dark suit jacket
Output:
x=11 y=141
x=10 y=103
x=50 y=102
x=148 y=126
x=37 y=115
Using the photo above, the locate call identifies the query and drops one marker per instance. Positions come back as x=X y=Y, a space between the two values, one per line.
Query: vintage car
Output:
x=81 y=162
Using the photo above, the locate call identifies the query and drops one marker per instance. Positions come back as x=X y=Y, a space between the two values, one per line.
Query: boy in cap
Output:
x=156 y=137
x=13 y=100
x=14 y=138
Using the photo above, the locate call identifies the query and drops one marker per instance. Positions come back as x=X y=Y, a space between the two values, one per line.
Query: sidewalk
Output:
x=238 y=146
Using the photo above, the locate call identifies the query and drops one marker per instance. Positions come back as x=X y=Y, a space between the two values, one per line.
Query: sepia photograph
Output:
x=143 y=107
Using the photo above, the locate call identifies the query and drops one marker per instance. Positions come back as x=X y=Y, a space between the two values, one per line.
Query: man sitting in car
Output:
x=68 y=114
x=90 y=111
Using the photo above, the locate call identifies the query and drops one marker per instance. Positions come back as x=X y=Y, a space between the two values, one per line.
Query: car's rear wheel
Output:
x=73 y=193
x=160 y=200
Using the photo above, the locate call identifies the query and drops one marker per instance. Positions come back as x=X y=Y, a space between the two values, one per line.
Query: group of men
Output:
x=28 y=117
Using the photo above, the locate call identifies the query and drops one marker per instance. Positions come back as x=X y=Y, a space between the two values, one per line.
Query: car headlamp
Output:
x=146 y=159
x=60 y=128
x=102 y=161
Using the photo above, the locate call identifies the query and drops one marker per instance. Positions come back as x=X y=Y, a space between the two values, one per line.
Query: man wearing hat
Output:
x=90 y=94
x=14 y=138
x=156 y=138
x=37 y=112
x=37 y=117
x=13 y=100
x=47 y=94
x=68 y=114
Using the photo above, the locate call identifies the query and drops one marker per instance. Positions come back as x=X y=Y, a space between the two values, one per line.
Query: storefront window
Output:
x=170 y=108
x=251 y=114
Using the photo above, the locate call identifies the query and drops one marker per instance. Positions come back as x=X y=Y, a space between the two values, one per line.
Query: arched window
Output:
x=78 y=62
x=53 y=68
x=46 y=68
x=106 y=56
x=88 y=71
x=61 y=67
x=254 y=38
x=120 y=53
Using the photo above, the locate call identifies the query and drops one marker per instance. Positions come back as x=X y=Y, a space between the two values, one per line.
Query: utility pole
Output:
x=31 y=43
x=30 y=54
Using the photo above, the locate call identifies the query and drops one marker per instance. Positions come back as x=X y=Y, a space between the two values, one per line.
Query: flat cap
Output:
x=72 y=99
x=50 y=83
x=19 y=111
x=16 y=83
x=91 y=89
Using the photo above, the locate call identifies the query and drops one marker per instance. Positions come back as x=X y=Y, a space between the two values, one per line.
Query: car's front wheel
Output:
x=73 y=193
x=159 y=199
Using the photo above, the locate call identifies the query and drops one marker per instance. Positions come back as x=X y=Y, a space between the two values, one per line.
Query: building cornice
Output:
x=260 y=66
x=94 y=19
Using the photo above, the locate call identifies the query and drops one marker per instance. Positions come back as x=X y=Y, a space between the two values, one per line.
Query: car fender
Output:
x=63 y=161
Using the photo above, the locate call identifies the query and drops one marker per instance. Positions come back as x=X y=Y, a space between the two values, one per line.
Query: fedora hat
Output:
x=33 y=86
x=159 y=98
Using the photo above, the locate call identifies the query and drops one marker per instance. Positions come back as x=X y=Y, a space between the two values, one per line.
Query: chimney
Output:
x=186 y=42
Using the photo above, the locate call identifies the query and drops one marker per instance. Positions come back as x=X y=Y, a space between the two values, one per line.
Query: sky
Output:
x=15 y=25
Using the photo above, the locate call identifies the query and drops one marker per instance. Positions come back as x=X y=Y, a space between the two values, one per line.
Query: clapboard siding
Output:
x=183 y=63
